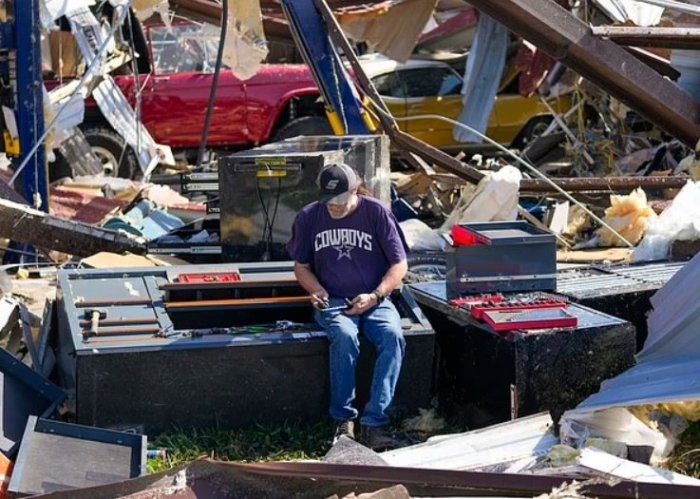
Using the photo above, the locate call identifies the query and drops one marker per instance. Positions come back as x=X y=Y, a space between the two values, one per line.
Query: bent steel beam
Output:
x=661 y=37
x=568 y=39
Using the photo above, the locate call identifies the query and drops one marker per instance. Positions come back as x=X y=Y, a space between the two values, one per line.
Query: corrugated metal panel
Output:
x=510 y=446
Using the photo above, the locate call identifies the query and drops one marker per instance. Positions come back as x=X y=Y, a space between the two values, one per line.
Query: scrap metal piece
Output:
x=660 y=37
x=27 y=225
x=57 y=456
x=23 y=393
x=109 y=97
x=568 y=39
x=303 y=479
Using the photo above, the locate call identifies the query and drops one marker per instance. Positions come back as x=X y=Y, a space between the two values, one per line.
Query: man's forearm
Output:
x=392 y=278
x=306 y=278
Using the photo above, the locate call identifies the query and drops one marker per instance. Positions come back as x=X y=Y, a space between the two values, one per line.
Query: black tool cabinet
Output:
x=185 y=369
x=486 y=377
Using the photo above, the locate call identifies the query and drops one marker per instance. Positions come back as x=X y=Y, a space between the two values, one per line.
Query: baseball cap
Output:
x=337 y=181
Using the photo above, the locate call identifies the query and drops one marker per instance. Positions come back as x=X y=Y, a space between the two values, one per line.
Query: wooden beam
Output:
x=26 y=225
x=241 y=302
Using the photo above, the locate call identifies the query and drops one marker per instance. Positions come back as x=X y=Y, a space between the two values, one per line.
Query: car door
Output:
x=432 y=90
x=175 y=104
x=393 y=92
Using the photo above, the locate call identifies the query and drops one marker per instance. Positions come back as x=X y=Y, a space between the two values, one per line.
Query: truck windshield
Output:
x=184 y=48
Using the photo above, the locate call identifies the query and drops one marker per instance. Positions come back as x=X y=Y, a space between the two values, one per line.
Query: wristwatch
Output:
x=380 y=296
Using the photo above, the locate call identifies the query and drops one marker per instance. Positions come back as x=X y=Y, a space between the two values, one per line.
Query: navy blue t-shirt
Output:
x=349 y=256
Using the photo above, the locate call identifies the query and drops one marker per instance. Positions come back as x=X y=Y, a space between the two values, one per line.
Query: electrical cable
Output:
x=267 y=237
x=214 y=84
x=266 y=221
x=274 y=214
x=530 y=167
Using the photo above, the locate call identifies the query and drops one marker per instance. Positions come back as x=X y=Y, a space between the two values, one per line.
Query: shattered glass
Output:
x=186 y=48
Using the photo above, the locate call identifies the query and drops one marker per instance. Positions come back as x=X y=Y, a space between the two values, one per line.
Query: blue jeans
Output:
x=381 y=325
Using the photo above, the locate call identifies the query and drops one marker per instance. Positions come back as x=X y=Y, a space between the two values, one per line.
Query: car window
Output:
x=431 y=82
x=389 y=85
x=184 y=48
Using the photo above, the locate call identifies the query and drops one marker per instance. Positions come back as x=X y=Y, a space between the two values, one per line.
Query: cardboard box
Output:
x=65 y=57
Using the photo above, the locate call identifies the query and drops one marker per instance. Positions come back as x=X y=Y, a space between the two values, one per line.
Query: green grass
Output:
x=686 y=455
x=285 y=442
x=290 y=442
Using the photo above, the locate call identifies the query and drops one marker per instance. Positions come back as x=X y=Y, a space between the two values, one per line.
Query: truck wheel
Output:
x=308 y=125
x=110 y=147
x=532 y=129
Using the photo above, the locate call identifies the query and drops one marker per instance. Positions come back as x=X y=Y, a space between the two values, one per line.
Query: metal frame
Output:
x=137 y=443
x=29 y=106
x=311 y=37
x=17 y=371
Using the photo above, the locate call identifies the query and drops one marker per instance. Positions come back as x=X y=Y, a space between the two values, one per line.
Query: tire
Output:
x=308 y=125
x=426 y=266
x=532 y=129
x=110 y=147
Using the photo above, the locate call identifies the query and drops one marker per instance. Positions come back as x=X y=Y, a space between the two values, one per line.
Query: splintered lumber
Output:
x=26 y=225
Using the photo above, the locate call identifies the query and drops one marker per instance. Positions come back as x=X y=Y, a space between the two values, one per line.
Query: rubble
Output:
x=591 y=149
x=24 y=224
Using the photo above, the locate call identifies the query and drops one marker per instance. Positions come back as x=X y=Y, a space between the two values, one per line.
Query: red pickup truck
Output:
x=281 y=100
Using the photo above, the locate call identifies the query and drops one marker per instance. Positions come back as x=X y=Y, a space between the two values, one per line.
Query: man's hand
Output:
x=319 y=299
x=362 y=303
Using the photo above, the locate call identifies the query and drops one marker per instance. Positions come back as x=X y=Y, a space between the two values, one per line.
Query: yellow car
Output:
x=421 y=87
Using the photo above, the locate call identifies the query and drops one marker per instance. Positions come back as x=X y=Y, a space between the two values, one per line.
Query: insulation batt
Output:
x=628 y=215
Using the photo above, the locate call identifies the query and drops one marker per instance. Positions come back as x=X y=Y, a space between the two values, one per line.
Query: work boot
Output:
x=378 y=438
x=344 y=429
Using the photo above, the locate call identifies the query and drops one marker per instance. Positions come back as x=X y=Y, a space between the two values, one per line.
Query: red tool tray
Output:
x=470 y=301
x=213 y=277
x=530 y=319
x=479 y=309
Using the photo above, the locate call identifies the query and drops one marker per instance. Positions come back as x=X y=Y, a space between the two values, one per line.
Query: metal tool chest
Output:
x=212 y=351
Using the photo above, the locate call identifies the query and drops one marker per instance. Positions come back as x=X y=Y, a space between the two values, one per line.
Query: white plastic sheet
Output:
x=680 y=221
x=420 y=237
x=245 y=47
x=495 y=199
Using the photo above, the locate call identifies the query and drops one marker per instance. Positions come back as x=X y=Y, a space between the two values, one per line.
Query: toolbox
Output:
x=225 y=346
x=500 y=257
x=262 y=189
x=487 y=376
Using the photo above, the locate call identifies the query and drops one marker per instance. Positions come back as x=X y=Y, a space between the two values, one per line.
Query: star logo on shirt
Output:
x=344 y=251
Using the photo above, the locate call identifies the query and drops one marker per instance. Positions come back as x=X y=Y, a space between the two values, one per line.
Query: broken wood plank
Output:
x=26 y=225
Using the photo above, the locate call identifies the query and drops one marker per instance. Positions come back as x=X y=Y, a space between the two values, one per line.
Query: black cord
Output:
x=268 y=221
x=214 y=84
x=274 y=214
x=265 y=239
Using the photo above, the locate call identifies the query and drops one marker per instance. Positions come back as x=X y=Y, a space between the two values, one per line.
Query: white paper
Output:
x=50 y=10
